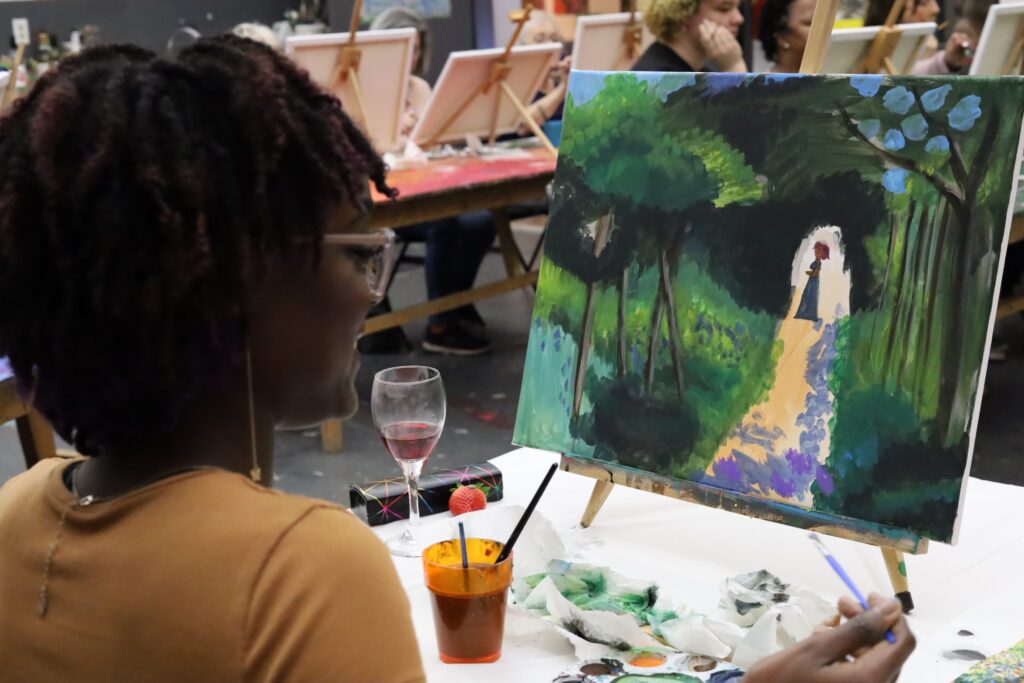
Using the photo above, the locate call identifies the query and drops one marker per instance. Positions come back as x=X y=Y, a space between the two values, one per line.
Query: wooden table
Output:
x=971 y=586
x=36 y=436
x=447 y=188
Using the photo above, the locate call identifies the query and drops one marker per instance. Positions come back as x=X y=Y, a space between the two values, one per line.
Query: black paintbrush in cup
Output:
x=505 y=551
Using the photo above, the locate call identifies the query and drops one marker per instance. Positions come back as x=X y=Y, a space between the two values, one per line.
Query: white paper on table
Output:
x=593 y=627
x=691 y=633
x=777 y=629
x=537 y=545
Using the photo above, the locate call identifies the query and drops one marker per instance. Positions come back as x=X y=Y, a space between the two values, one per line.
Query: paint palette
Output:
x=639 y=666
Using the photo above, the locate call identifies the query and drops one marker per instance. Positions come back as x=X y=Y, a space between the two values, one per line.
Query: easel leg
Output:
x=357 y=89
x=492 y=136
x=509 y=250
x=897 y=568
x=332 y=438
x=527 y=119
x=36 y=436
x=597 y=499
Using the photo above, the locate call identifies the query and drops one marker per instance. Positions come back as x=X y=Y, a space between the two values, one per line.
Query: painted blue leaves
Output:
x=938 y=144
x=895 y=180
x=899 y=100
x=894 y=140
x=869 y=128
x=935 y=99
x=965 y=113
x=866 y=85
x=915 y=128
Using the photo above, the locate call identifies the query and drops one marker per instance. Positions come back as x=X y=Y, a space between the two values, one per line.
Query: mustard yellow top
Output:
x=203 y=576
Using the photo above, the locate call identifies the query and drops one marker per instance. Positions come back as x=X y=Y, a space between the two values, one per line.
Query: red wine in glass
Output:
x=408 y=405
x=410 y=441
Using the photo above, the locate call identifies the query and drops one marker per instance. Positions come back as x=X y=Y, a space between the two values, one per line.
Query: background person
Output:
x=690 y=33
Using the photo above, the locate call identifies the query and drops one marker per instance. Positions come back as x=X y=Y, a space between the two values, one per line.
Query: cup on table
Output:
x=468 y=604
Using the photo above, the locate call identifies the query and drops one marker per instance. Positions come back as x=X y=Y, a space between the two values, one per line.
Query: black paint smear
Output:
x=969 y=655
x=965 y=632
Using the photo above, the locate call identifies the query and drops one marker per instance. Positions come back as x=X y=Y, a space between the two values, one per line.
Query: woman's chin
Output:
x=343 y=404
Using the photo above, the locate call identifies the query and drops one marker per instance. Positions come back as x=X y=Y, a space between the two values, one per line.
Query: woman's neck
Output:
x=689 y=50
x=788 y=63
x=214 y=431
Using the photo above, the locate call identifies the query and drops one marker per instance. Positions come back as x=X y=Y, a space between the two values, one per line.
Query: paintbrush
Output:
x=846 y=579
x=465 y=557
x=462 y=546
x=507 y=549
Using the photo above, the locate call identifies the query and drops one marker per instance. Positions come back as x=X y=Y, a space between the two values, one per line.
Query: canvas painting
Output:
x=780 y=286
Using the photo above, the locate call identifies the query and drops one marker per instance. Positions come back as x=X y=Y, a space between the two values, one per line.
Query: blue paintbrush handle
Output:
x=856 y=593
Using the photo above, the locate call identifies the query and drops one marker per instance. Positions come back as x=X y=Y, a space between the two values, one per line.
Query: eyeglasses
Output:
x=374 y=254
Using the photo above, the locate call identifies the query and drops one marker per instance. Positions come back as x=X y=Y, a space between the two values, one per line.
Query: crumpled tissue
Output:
x=778 y=614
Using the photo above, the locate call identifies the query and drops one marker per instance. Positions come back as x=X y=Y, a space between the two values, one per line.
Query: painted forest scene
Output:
x=777 y=285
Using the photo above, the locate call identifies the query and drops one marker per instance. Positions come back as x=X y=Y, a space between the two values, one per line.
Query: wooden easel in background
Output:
x=496 y=81
x=1015 y=61
x=22 y=38
x=632 y=37
x=892 y=542
x=346 y=68
x=12 y=80
x=880 y=53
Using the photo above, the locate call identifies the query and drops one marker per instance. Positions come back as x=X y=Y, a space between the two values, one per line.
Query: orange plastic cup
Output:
x=469 y=604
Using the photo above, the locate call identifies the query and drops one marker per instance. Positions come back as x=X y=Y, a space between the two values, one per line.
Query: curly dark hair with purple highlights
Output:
x=142 y=199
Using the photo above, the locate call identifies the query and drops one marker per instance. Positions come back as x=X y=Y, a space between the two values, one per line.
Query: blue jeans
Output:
x=455 y=249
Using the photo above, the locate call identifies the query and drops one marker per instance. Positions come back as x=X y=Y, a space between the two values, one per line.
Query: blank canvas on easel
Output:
x=600 y=42
x=383 y=73
x=798 y=313
x=849 y=47
x=1002 y=33
x=465 y=72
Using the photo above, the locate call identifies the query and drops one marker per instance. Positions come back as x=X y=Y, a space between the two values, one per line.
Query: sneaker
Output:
x=470 y=320
x=454 y=340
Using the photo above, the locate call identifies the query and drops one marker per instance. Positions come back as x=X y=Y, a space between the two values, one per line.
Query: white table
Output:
x=689 y=550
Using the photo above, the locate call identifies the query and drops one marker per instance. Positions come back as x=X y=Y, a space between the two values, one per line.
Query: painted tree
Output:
x=623 y=153
x=936 y=147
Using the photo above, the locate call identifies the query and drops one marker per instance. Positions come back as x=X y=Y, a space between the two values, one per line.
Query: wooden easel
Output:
x=891 y=541
x=1014 y=64
x=880 y=53
x=346 y=67
x=632 y=37
x=12 y=81
x=500 y=70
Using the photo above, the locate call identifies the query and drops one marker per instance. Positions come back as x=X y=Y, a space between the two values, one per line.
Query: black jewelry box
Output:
x=380 y=502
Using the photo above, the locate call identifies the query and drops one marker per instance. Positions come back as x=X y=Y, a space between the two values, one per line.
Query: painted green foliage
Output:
x=680 y=203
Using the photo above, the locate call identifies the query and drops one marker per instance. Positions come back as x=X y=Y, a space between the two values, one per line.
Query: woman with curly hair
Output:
x=692 y=33
x=184 y=264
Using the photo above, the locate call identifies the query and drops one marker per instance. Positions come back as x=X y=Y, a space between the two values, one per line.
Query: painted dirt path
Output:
x=779 y=447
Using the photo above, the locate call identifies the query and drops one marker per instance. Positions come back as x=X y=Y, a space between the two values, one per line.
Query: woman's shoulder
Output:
x=419 y=92
x=274 y=512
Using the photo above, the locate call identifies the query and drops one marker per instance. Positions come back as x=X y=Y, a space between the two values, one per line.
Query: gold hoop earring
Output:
x=255 y=473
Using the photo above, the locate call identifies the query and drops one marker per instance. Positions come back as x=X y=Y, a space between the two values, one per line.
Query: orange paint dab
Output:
x=647 y=660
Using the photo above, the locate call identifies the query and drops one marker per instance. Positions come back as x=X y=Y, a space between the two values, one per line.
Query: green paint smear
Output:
x=1005 y=667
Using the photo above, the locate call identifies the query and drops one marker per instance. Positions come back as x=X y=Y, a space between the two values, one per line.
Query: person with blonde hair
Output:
x=690 y=34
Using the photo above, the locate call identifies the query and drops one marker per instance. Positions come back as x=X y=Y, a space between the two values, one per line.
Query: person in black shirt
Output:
x=692 y=33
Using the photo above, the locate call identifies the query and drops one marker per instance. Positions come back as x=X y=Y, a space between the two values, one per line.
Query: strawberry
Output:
x=466 y=499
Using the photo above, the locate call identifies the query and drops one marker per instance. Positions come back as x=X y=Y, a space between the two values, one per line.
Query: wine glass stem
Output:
x=412 y=485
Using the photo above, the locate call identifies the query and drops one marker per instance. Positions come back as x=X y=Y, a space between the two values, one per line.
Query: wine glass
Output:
x=408 y=406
